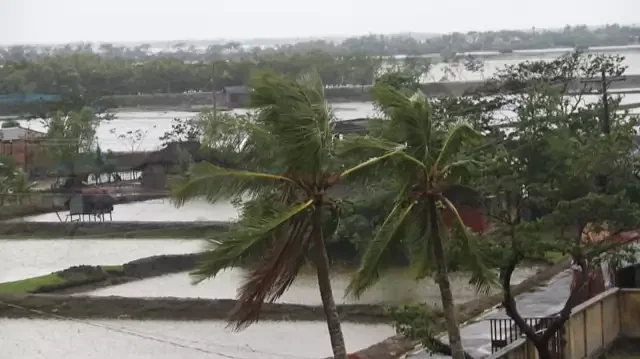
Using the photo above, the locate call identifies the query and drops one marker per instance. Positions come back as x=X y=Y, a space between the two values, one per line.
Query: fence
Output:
x=505 y=331
x=593 y=327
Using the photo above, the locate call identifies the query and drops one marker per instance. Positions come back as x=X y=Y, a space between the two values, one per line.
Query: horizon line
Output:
x=297 y=39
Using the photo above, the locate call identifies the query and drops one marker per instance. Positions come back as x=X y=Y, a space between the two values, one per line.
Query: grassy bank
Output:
x=68 y=278
x=108 y=230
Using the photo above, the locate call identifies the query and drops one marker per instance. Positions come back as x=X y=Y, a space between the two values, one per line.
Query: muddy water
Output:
x=159 y=210
x=394 y=288
x=20 y=259
x=156 y=123
x=53 y=339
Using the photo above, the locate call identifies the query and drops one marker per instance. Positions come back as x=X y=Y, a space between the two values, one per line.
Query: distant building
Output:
x=236 y=96
x=22 y=144
x=173 y=159
x=169 y=160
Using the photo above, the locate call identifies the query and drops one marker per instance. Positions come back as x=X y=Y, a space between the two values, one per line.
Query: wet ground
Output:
x=123 y=339
x=542 y=302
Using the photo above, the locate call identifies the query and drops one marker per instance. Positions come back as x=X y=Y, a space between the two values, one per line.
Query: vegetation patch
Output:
x=74 y=276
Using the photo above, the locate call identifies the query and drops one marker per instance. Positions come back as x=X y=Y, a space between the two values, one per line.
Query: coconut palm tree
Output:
x=425 y=172
x=285 y=161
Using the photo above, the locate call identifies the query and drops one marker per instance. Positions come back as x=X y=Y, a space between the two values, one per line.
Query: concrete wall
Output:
x=593 y=327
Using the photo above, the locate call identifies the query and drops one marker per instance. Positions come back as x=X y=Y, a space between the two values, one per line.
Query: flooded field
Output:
x=123 y=339
x=156 y=123
x=159 y=210
x=20 y=259
x=397 y=287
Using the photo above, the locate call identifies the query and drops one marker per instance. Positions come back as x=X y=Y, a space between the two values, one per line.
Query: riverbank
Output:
x=85 y=307
x=193 y=102
x=83 y=278
x=107 y=230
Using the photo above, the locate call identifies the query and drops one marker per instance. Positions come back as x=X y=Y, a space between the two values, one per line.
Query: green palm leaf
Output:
x=368 y=273
x=454 y=141
x=410 y=117
x=215 y=183
x=481 y=276
x=297 y=117
x=243 y=241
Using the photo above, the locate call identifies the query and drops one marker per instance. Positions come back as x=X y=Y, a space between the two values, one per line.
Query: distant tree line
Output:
x=370 y=45
x=82 y=79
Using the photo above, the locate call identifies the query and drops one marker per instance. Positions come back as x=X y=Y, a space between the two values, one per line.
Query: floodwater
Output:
x=20 y=259
x=158 y=210
x=155 y=123
x=396 y=287
x=125 y=339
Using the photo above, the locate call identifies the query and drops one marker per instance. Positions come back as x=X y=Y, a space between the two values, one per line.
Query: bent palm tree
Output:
x=430 y=165
x=285 y=162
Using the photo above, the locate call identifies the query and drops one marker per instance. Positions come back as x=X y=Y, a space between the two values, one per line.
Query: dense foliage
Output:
x=371 y=45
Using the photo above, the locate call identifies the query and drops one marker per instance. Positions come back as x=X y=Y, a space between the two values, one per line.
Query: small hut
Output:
x=236 y=96
x=172 y=159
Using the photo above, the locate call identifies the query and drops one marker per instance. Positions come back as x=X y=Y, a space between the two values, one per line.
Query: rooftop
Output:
x=16 y=133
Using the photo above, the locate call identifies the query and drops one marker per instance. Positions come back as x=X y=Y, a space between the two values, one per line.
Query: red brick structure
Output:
x=22 y=144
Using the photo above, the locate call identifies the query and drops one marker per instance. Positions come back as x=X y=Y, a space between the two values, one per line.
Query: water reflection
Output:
x=396 y=287
x=20 y=259
x=123 y=339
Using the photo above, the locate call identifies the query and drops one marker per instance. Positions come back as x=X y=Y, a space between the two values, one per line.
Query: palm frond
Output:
x=274 y=274
x=482 y=277
x=297 y=116
x=353 y=144
x=215 y=183
x=410 y=117
x=370 y=162
x=368 y=273
x=459 y=171
x=243 y=240
x=454 y=141
x=420 y=244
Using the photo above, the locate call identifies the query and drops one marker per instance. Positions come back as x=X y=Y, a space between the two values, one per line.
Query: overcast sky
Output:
x=61 y=21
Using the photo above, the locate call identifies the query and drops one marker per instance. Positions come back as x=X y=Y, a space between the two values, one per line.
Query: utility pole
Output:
x=601 y=180
x=213 y=88
x=606 y=116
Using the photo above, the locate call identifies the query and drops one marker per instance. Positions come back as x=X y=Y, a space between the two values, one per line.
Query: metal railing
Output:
x=504 y=331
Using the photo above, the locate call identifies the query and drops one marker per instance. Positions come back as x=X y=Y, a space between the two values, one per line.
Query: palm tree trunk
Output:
x=324 y=283
x=442 y=278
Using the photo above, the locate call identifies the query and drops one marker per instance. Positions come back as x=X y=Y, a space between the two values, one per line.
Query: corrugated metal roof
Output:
x=16 y=133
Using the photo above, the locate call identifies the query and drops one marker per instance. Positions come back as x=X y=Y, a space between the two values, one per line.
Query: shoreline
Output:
x=25 y=230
